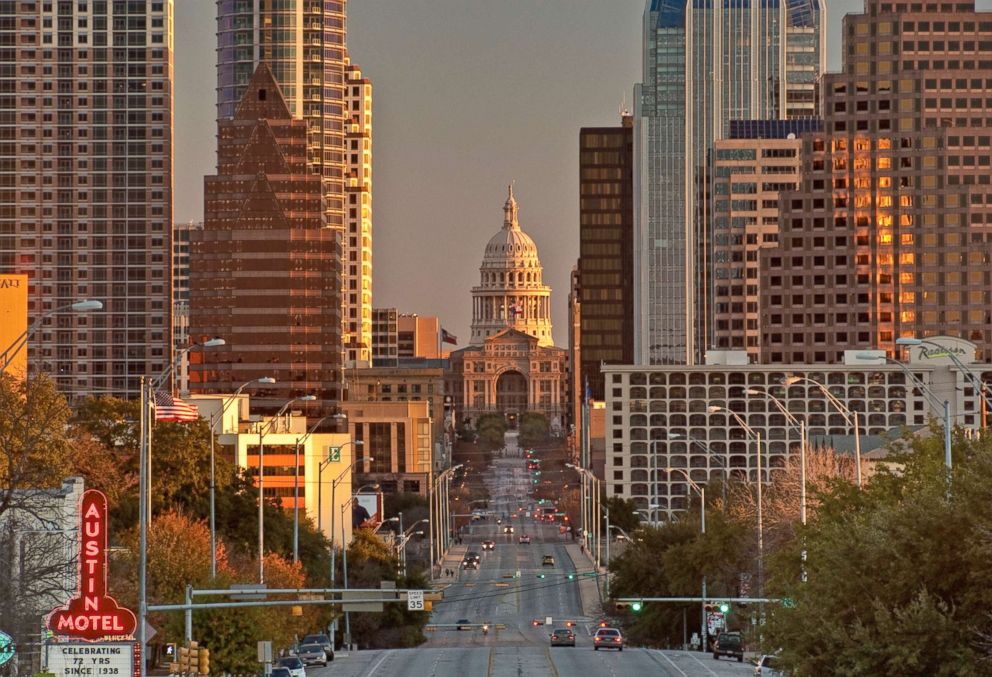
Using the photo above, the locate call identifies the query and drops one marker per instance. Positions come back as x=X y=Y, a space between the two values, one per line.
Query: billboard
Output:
x=366 y=510
x=104 y=659
x=14 y=321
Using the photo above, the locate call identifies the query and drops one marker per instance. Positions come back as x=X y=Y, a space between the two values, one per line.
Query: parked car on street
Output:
x=767 y=666
x=607 y=638
x=312 y=654
x=322 y=640
x=729 y=644
x=562 y=637
x=294 y=665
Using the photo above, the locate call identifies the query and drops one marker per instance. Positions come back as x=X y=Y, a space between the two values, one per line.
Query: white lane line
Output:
x=378 y=664
x=671 y=662
x=702 y=664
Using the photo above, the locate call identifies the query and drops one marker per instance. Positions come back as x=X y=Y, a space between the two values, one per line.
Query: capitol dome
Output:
x=511 y=293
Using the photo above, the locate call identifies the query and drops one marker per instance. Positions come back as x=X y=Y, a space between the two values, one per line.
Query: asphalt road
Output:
x=507 y=593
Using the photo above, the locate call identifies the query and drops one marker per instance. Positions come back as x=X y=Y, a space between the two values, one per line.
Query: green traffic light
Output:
x=724 y=607
x=636 y=607
x=540 y=575
x=571 y=577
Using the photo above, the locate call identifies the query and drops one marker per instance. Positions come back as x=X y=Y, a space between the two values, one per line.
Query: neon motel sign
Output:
x=92 y=615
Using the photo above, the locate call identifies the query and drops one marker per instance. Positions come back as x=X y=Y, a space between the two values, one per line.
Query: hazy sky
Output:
x=467 y=96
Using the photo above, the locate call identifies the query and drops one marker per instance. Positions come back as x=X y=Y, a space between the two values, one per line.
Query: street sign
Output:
x=714 y=622
x=415 y=600
x=265 y=652
x=92 y=659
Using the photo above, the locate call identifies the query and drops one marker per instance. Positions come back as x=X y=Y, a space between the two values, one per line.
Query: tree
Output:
x=623 y=513
x=533 y=428
x=491 y=430
x=897 y=574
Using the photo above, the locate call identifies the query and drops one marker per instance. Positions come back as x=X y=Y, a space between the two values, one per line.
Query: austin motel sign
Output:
x=92 y=615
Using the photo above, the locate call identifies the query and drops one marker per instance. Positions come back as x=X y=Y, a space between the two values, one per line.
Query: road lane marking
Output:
x=551 y=662
x=375 y=667
x=703 y=665
x=492 y=662
x=651 y=655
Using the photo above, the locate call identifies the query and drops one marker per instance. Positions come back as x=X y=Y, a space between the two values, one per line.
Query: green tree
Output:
x=623 y=513
x=897 y=574
x=491 y=429
x=533 y=428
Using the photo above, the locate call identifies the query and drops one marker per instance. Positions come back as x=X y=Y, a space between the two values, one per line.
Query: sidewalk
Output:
x=589 y=586
x=452 y=560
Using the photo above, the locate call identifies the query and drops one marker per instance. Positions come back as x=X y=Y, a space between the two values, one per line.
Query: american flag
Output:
x=169 y=408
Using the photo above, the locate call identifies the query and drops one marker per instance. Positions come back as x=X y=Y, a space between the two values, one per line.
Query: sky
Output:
x=467 y=96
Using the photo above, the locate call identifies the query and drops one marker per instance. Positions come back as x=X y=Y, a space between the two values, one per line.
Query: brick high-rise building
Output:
x=750 y=168
x=86 y=184
x=890 y=233
x=605 y=280
x=264 y=271
x=357 y=241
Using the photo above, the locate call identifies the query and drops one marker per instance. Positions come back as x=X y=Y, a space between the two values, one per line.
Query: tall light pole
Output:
x=850 y=416
x=147 y=418
x=761 y=480
x=263 y=430
x=591 y=510
x=943 y=407
x=725 y=460
x=405 y=536
x=296 y=482
x=344 y=554
x=701 y=490
x=264 y=380
x=438 y=488
x=801 y=427
x=11 y=351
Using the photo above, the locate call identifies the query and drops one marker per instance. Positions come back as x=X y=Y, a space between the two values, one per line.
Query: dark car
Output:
x=463 y=624
x=729 y=644
x=562 y=637
x=607 y=638
x=312 y=654
x=472 y=554
x=322 y=640
x=470 y=564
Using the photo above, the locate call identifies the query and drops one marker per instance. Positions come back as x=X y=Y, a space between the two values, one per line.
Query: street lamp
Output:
x=264 y=380
x=761 y=519
x=263 y=430
x=344 y=549
x=439 y=513
x=801 y=426
x=11 y=351
x=976 y=381
x=850 y=416
x=148 y=385
x=296 y=482
x=591 y=510
x=928 y=393
x=701 y=490
x=334 y=485
x=405 y=536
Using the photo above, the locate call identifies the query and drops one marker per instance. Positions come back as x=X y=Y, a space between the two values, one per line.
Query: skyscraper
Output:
x=606 y=250
x=264 y=270
x=356 y=293
x=889 y=234
x=86 y=183
x=705 y=63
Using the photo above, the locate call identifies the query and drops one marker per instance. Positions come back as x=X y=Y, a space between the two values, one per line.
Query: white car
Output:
x=524 y=539
x=294 y=665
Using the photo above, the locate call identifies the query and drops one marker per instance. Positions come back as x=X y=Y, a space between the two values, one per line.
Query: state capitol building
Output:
x=511 y=365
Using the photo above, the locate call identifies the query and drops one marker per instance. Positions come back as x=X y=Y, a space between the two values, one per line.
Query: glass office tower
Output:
x=705 y=63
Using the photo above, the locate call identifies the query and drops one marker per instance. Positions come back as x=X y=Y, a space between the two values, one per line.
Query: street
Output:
x=507 y=593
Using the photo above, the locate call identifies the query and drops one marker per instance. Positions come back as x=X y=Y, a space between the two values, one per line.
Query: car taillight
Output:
x=598 y=638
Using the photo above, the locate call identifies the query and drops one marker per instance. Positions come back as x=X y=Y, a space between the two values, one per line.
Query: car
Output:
x=294 y=665
x=312 y=654
x=324 y=641
x=603 y=623
x=470 y=564
x=548 y=561
x=489 y=545
x=524 y=539
x=607 y=638
x=473 y=555
x=278 y=671
x=729 y=644
x=767 y=665
x=537 y=622
x=463 y=624
x=507 y=530
x=562 y=637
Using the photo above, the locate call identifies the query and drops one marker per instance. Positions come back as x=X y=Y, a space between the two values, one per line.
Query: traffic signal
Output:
x=571 y=577
x=632 y=606
x=636 y=607
x=540 y=575
x=183 y=663
x=724 y=607
x=204 y=661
